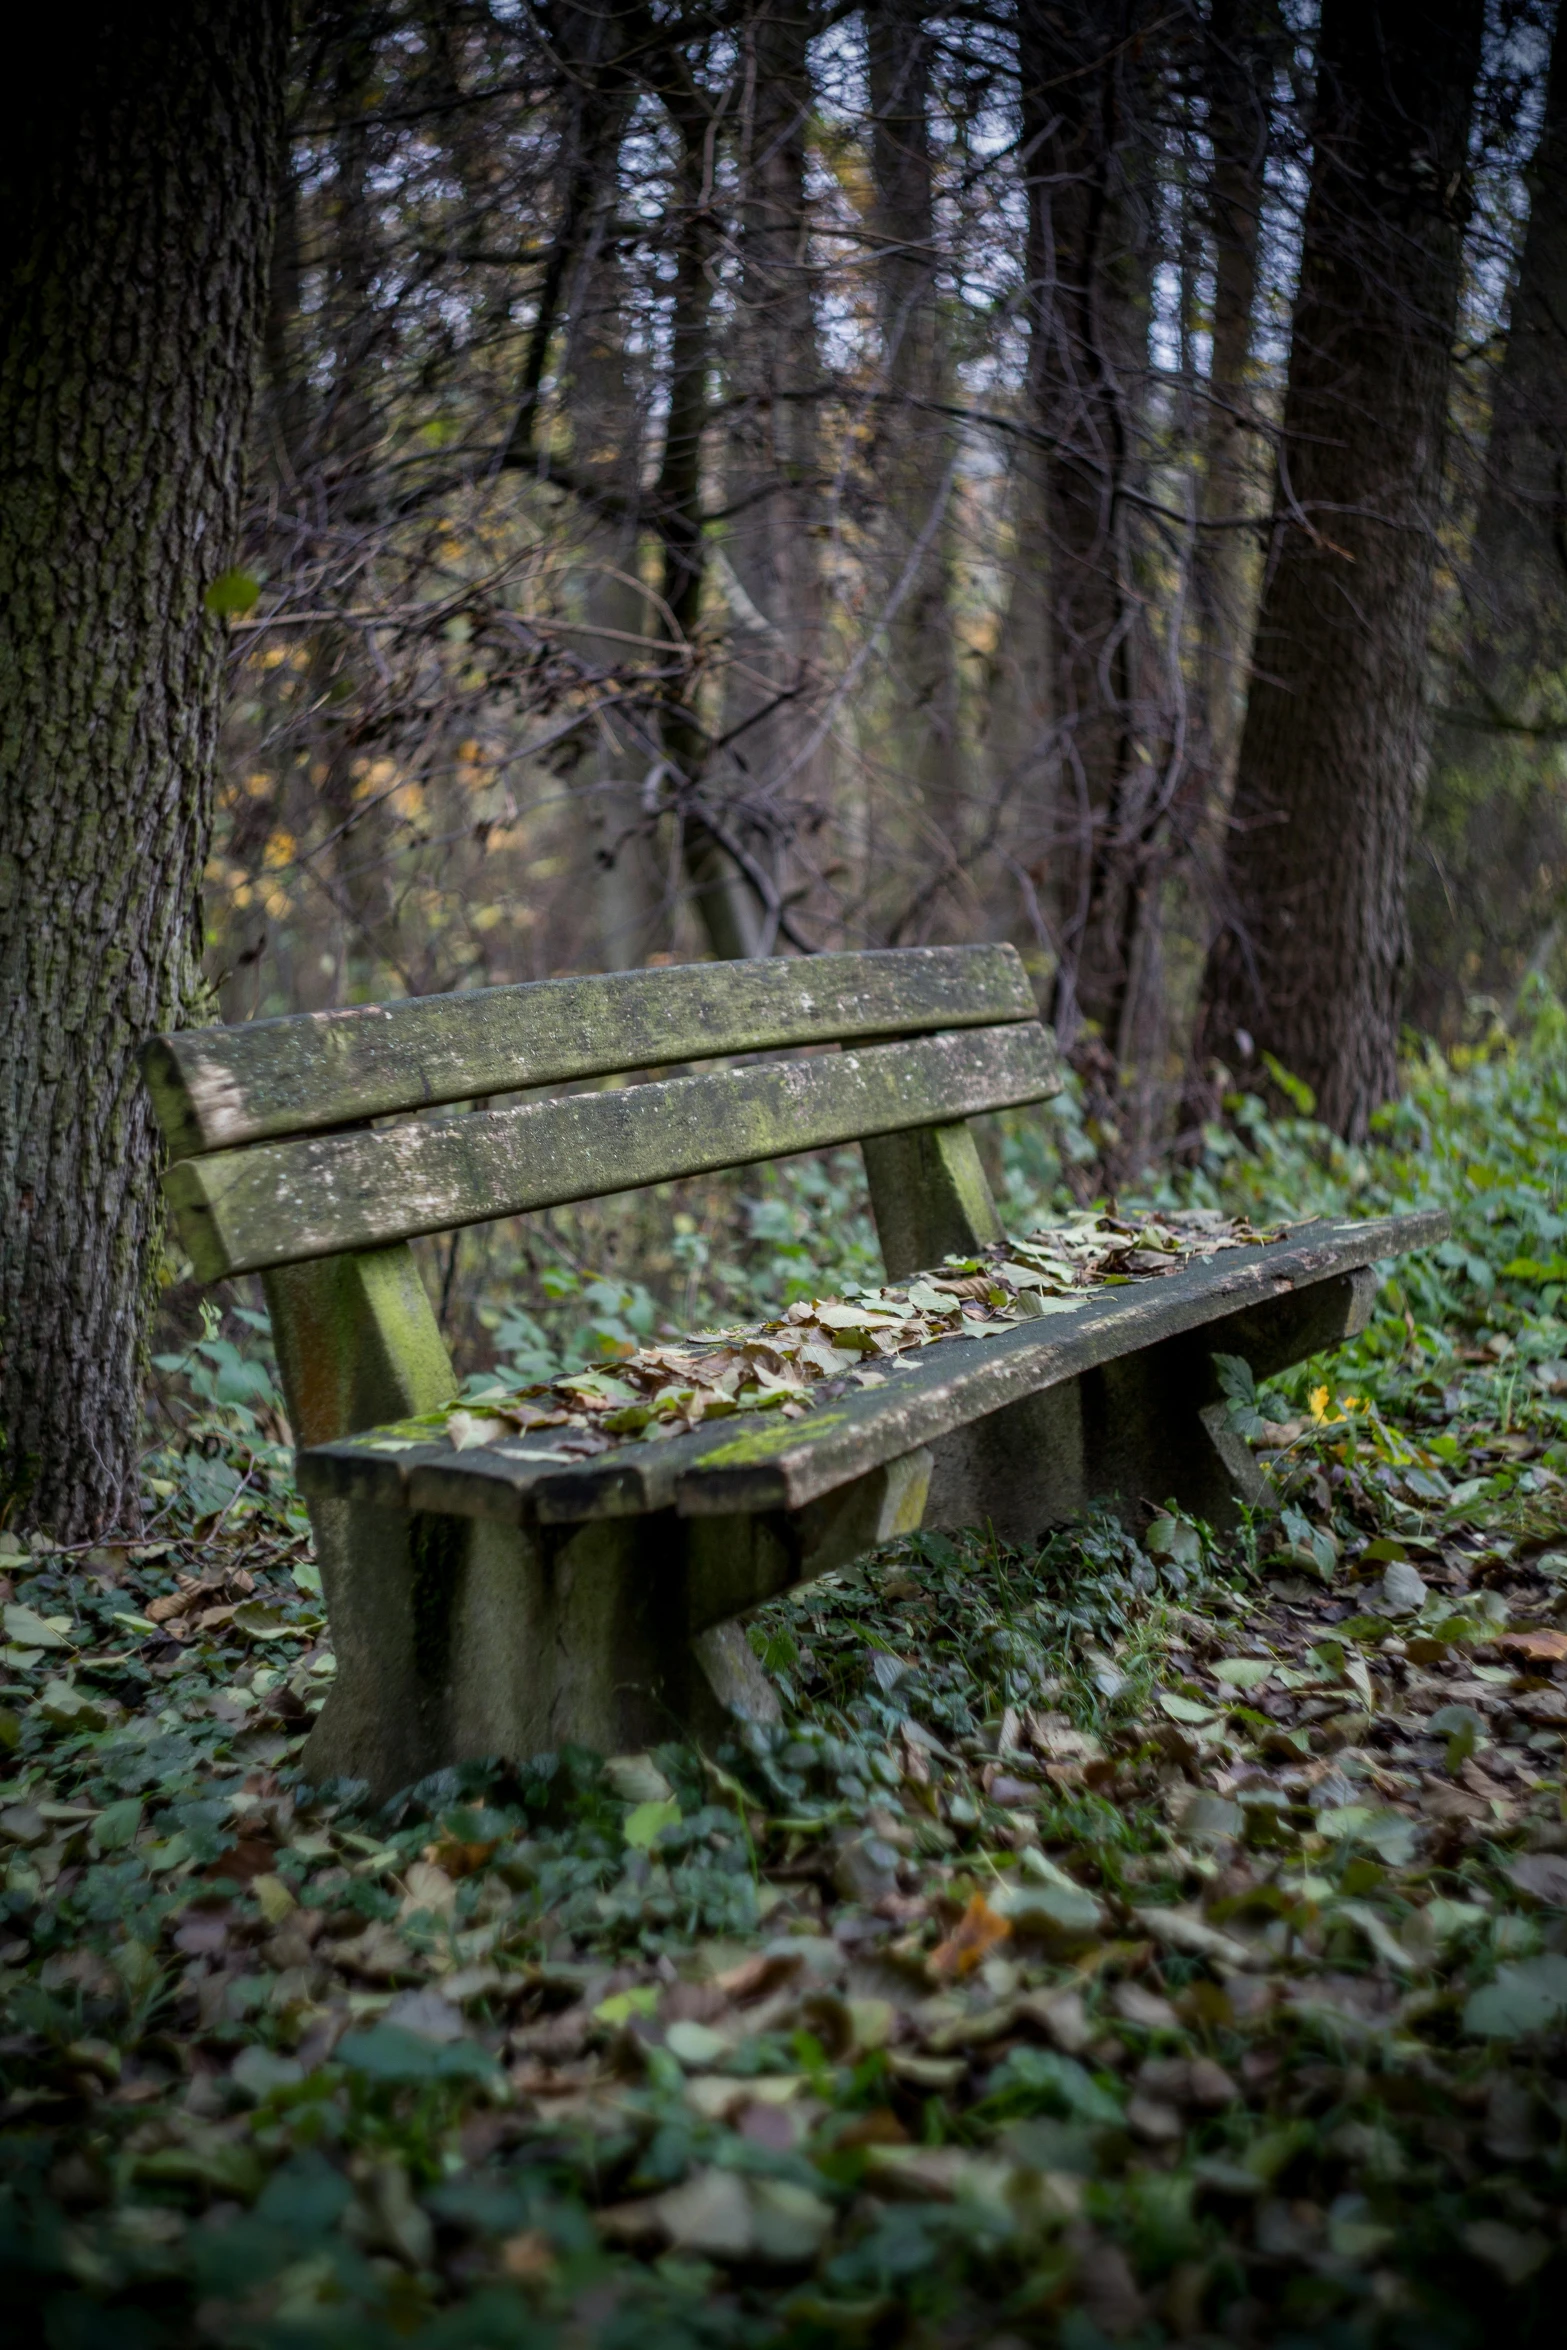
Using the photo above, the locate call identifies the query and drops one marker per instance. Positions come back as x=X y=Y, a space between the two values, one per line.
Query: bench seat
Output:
x=496 y=1601
x=1272 y=1304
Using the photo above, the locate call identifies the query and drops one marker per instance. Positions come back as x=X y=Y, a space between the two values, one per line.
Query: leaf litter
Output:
x=1134 y=1938
x=820 y=1347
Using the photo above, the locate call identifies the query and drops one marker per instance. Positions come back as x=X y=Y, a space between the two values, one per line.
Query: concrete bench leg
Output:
x=1156 y=1426
x=494 y=1640
x=460 y=1639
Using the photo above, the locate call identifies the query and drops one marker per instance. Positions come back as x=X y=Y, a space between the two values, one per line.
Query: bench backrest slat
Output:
x=284 y=1202
x=217 y=1088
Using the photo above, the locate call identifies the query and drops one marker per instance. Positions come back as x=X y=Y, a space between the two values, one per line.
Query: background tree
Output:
x=136 y=193
x=672 y=331
x=1309 y=962
x=1490 y=883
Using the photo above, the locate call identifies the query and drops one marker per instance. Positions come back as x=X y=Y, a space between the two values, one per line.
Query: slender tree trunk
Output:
x=774 y=646
x=917 y=729
x=1242 y=47
x=729 y=909
x=1024 y=770
x=619 y=746
x=1309 y=963
x=344 y=689
x=1495 y=880
x=136 y=192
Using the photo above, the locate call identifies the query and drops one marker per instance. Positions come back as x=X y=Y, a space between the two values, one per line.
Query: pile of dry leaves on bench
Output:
x=819 y=1346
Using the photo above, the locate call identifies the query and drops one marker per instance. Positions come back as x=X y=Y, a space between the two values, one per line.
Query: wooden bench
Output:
x=493 y=1601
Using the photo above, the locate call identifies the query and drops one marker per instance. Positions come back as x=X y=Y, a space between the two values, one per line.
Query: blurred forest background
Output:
x=765 y=477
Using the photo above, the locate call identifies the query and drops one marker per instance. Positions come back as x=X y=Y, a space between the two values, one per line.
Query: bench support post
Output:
x=929 y=1197
x=1156 y=1424
x=496 y=1640
x=358 y=1345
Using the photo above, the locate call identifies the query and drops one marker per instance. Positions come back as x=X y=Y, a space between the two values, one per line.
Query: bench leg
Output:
x=358 y=1345
x=1155 y=1424
x=515 y=1642
x=1154 y=1431
x=503 y=1641
x=1147 y=1429
x=1018 y=1471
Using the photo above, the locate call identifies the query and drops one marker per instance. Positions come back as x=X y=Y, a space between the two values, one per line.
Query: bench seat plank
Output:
x=283 y=1203
x=754 y=1463
x=217 y=1088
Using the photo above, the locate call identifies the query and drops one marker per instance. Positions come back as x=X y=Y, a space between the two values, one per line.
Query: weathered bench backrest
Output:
x=260 y=1180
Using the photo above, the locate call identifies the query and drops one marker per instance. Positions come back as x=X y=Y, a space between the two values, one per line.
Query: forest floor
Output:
x=1130 y=1941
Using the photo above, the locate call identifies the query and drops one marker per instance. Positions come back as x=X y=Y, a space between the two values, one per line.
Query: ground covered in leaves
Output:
x=1137 y=1939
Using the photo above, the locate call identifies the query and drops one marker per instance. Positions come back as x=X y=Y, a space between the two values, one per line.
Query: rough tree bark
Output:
x=1080 y=75
x=728 y=907
x=776 y=618
x=608 y=432
x=1488 y=901
x=916 y=736
x=135 y=188
x=1242 y=48
x=1309 y=961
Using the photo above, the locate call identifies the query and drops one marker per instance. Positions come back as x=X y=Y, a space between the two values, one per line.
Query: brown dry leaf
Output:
x=1052 y=1735
x=756 y=1976
x=458 y=1859
x=379 y=1954
x=529 y=2258
x=250 y=1858
x=1535 y=1647
x=970 y=1942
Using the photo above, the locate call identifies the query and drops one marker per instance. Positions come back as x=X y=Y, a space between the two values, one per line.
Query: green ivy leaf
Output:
x=1524 y=1998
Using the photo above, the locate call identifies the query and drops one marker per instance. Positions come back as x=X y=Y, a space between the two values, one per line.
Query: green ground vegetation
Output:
x=1137 y=1939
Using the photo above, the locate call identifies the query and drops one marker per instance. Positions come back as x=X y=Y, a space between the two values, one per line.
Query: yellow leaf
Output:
x=971 y=1940
x=275 y=1898
x=644 y=1822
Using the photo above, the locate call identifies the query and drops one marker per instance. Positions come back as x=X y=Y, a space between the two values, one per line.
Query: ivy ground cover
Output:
x=1133 y=1939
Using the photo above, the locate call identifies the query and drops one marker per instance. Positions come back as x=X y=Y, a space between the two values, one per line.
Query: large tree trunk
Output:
x=136 y=190
x=1487 y=900
x=1309 y=962
x=1085 y=141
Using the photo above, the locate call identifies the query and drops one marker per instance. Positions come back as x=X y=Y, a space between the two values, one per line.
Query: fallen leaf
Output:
x=1514 y=2253
x=1534 y=1647
x=643 y=1825
x=1543 y=1876
x=1402 y=1592
x=27 y=1629
x=637 y=1779
x=1524 y=1998
x=971 y=1941
x=427 y=1888
x=1244 y=1672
